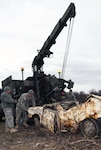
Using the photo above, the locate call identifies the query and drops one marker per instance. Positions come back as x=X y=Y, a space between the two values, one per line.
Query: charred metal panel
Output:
x=35 y=110
x=48 y=118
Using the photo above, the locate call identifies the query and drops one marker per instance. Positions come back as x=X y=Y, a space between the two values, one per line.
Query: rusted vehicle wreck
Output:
x=69 y=115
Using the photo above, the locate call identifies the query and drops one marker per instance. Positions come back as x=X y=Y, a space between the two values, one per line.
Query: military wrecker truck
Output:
x=47 y=88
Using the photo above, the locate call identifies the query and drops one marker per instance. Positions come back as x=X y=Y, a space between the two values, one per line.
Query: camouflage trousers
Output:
x=21 y=116
x=9 y=119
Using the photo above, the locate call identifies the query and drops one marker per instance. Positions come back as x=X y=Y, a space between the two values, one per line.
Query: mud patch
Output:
x=41 y=139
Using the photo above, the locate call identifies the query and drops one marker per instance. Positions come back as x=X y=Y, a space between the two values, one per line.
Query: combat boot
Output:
x=17 y=127
x=12 y=130
x=25 y=124
x=7 y=130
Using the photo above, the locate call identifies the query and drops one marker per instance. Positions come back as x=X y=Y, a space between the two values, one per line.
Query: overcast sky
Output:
x=26 y=24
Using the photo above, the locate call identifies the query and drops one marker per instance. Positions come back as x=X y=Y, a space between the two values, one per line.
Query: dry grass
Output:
x=34 y=139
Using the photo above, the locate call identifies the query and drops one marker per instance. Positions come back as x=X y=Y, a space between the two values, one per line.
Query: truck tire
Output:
x=90 y=127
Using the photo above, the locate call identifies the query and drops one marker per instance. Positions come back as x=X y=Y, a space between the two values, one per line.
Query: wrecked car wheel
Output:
x=89 y=127
x=37 y=122
x=0 y=118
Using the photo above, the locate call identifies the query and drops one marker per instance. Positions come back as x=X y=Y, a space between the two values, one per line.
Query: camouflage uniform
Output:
x=22 y=107
x=8 y=105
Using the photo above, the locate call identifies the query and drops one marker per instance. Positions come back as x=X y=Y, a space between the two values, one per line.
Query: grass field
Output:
x=41 y=139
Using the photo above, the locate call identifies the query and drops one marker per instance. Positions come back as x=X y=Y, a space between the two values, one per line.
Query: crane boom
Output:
x=47 y=86
x=45 y=50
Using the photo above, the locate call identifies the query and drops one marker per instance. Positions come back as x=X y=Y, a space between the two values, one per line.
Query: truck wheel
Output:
x=37 y=122
x=90 y=127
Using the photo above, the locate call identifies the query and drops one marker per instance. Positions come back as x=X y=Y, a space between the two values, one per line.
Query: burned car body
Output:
x=69 y=115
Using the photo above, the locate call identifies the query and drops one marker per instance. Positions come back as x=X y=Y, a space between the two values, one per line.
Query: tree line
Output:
x=81 y=96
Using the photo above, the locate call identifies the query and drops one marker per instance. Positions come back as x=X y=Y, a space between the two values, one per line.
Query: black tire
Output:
x=0 y=118
x=90 y=127
x=37 y=122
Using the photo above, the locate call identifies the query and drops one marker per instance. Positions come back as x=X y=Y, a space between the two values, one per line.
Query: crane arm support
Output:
x=45 y=50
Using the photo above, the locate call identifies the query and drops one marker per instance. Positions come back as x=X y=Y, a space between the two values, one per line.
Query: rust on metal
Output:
x=72 y=117
x=69 y=118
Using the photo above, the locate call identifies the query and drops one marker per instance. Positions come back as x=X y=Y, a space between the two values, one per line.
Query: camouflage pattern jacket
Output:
x=24 y=103
x=7 y=101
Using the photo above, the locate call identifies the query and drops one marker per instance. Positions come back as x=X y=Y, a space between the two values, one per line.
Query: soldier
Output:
x=8 y=106
x=25 y=101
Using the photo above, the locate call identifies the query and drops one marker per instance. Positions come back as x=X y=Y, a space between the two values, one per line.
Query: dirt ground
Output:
x=41 y=139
